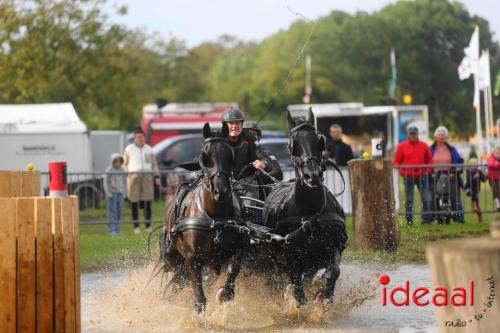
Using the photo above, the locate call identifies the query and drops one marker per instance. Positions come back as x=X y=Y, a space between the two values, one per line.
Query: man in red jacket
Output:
x=408 y=154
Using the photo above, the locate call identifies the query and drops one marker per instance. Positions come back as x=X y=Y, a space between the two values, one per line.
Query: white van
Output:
x=41 y=133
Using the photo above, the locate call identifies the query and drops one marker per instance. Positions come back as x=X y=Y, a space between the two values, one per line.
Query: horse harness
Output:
x=299 y=166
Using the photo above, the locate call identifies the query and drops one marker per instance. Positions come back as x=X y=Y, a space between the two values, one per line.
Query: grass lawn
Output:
x=99 y=250
x=414 y=239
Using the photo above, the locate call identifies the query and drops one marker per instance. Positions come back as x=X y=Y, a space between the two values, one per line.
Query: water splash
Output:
x=119 y=302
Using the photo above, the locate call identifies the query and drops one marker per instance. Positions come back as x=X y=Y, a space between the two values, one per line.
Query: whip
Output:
x=272 y=101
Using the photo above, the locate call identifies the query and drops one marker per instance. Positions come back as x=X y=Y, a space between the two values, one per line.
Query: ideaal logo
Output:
x=439 y=296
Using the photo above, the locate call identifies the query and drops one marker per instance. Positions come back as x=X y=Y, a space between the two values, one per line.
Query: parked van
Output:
x=41 y=133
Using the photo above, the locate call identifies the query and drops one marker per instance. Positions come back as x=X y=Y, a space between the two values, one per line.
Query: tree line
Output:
x=65 y=50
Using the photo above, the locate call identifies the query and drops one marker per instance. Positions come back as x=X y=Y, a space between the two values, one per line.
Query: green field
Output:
x=102 y=251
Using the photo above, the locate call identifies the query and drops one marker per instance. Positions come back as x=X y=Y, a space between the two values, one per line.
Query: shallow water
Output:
x=119 y=302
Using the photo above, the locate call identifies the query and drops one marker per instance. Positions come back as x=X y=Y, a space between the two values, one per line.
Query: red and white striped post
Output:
x=58 y=182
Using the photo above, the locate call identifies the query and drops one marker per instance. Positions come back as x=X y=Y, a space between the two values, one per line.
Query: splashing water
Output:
x=120 y=302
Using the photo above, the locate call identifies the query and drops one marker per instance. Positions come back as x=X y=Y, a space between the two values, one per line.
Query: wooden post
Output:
x=44 y=266
x=39 y=258
x=57 y=228
x=375 y=223
x=19 y=184
x=76 y=231
x=455 y=264
x=26 y=282
x=5 y=184
x=8 y=318
x=69 y=266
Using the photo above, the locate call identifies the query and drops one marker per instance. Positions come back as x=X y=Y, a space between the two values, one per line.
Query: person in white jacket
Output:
x=140 y=162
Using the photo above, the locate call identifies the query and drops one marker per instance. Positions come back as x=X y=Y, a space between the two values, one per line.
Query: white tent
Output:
x=40 y=118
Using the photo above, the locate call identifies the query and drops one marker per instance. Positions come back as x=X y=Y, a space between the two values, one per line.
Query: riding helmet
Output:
x=232 y=114
x=253 y=127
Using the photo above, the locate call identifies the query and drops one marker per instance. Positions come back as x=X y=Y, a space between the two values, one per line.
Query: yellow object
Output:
x=365 y=155
x=30 y=166
x=407 y=98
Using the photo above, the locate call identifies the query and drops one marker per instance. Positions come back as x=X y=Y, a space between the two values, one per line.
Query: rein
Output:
x=239 y=181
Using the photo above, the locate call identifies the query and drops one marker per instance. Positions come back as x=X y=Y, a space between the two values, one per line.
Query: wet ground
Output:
x=120 y=302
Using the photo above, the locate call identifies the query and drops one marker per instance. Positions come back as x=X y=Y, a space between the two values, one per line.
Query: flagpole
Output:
x=490 y=107
x=394 y=74
x=477 y=98
x=487 y=120
x=482 y=74
x=470 y=65
x=479 y=131
x=490 y=98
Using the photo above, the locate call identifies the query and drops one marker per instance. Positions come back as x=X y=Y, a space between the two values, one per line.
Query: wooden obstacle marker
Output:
x=39 y=258
x=457 y=262
x=374 y=218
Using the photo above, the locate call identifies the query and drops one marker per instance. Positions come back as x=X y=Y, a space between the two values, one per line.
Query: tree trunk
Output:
x=375 y=223
x=455 y=264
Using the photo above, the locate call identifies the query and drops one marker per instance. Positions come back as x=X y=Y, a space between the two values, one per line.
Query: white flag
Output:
x=468 y=66
x=484 y=78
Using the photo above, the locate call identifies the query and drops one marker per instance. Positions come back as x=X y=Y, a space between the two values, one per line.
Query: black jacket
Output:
x=266 y=155
x=245 y=152
x=340 y=151
x=474 y=184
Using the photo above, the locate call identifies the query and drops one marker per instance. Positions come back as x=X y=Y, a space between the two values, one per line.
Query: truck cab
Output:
x=175 y=119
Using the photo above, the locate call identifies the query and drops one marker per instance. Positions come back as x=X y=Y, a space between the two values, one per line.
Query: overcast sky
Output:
x=196 y=21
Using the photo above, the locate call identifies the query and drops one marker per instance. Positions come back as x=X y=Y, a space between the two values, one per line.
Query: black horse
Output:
x=201 y=223
x=306 y=215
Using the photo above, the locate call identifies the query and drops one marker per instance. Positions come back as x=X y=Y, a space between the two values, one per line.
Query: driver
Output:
x=245 y=150
x=262 y=153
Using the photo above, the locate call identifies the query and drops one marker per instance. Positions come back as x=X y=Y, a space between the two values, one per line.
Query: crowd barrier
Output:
x=92 y=201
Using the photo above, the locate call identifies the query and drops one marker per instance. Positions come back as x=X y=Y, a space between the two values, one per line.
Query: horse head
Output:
x=216 y=160
x=306 y=146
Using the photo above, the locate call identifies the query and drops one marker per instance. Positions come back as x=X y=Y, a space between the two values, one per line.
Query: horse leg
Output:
x=194 y=269
x=226 y=293
x=297 y=281
x=178 y=281
x=332 y=274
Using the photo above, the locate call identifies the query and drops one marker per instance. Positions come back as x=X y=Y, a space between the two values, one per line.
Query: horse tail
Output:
x=161 y=264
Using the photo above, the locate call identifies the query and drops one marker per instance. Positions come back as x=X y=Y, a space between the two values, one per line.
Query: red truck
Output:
x=180 y=118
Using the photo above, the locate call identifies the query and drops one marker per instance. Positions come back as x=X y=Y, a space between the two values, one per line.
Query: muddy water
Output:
x=120 y=302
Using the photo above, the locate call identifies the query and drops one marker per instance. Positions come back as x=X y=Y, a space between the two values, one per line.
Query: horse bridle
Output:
x=217 y=173
x=303 y=161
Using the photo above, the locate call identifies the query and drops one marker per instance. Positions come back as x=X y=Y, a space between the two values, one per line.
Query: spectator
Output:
x=473 y=186
x=494 y=175
x=114 y=187
x=443 y=156
x=409 y=153
x=336 y=150
x=140 y=162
